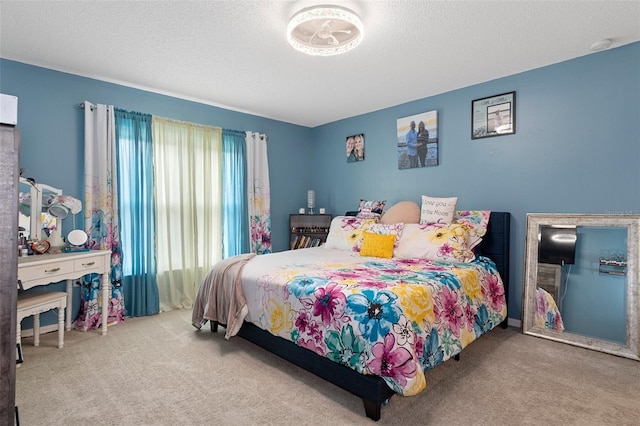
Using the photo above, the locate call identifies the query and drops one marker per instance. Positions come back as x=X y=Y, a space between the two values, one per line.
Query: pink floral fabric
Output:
x=476 y=220
x=101 y=217
x=547 y=315
x=395 y=318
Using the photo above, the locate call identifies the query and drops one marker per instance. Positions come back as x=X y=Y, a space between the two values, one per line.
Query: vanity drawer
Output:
x=49 y=271
x=55 y=267
x=95 y=263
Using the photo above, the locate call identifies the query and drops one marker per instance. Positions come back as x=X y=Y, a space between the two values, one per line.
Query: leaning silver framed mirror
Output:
x=581 y=281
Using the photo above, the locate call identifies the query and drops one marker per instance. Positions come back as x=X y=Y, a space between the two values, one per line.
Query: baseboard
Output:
x=43 y=329
x=511 y=322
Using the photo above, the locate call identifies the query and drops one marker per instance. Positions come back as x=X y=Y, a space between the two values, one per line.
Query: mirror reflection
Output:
x=24 y=207
x=581 y=280
x=33 y=204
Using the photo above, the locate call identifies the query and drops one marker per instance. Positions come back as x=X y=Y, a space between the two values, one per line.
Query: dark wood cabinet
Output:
x=9 y=152
x=308 y=230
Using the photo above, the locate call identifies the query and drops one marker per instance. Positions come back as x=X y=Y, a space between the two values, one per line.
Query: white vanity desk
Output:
x=45 y=269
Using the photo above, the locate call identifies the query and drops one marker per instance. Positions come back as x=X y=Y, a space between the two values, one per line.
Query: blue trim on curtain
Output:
x=137 y=212
x=235 y=209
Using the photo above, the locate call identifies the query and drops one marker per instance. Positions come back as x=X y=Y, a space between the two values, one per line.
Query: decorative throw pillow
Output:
x=388 y=229
x=437 y=210
x=402 y=212
x=435 y=242
x=377 y=245
x=475 y=220
x=345 y=232
x=371 y=209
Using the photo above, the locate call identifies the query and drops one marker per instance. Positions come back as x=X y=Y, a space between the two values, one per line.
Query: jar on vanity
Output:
x=55 y=241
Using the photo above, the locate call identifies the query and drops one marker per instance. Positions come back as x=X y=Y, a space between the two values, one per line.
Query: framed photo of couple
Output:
x=493 y=116
x=417 y=137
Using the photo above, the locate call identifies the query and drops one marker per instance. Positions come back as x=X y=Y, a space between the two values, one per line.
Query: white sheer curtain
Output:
x=187 y=160
x=258 y=193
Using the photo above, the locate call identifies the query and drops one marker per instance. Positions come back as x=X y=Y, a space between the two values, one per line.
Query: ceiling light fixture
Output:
x=325 y=30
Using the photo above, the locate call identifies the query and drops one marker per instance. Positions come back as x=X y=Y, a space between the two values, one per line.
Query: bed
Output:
x=324 y=309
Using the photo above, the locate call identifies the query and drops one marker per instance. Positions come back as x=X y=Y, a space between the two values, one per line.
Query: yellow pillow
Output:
x=377 y=245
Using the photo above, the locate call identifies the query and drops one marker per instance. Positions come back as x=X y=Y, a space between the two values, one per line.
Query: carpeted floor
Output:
x=160 y=371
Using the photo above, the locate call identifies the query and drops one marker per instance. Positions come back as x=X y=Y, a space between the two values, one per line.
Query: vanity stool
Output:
x=37 y=302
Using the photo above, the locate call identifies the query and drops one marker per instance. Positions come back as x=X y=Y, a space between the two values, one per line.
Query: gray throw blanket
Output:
x=220 y=297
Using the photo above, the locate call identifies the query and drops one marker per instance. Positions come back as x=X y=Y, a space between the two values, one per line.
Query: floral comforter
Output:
x=394 y=318
x=547 y=314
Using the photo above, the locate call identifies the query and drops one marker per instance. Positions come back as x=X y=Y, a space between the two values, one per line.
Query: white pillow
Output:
x=345 y=233
x=437 y=210
x=435 y=242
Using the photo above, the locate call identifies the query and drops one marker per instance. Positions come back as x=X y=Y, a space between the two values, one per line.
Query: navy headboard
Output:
x=496 y=244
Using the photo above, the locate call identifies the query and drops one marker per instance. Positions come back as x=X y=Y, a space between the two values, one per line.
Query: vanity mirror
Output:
x=26 y=221
x=581 y=281
x=33 y=209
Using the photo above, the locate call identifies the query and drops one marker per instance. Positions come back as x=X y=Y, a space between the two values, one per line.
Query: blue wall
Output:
x=52 y=127
x=576 y=147
x=52 y=130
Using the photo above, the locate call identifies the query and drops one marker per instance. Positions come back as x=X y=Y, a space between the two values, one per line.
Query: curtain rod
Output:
x=260 y=135
x=81 y=105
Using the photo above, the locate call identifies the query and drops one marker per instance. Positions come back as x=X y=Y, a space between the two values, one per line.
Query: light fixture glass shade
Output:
x=60 y=206
x=325 y=30
x=311 y=200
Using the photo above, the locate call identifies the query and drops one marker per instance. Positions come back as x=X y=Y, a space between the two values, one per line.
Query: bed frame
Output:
x=372 y=389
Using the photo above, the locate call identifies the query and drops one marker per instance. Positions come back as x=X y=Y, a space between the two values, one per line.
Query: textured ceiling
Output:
x=234 y=54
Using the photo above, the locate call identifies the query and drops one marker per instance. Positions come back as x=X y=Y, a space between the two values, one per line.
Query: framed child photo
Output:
x=493 y=116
